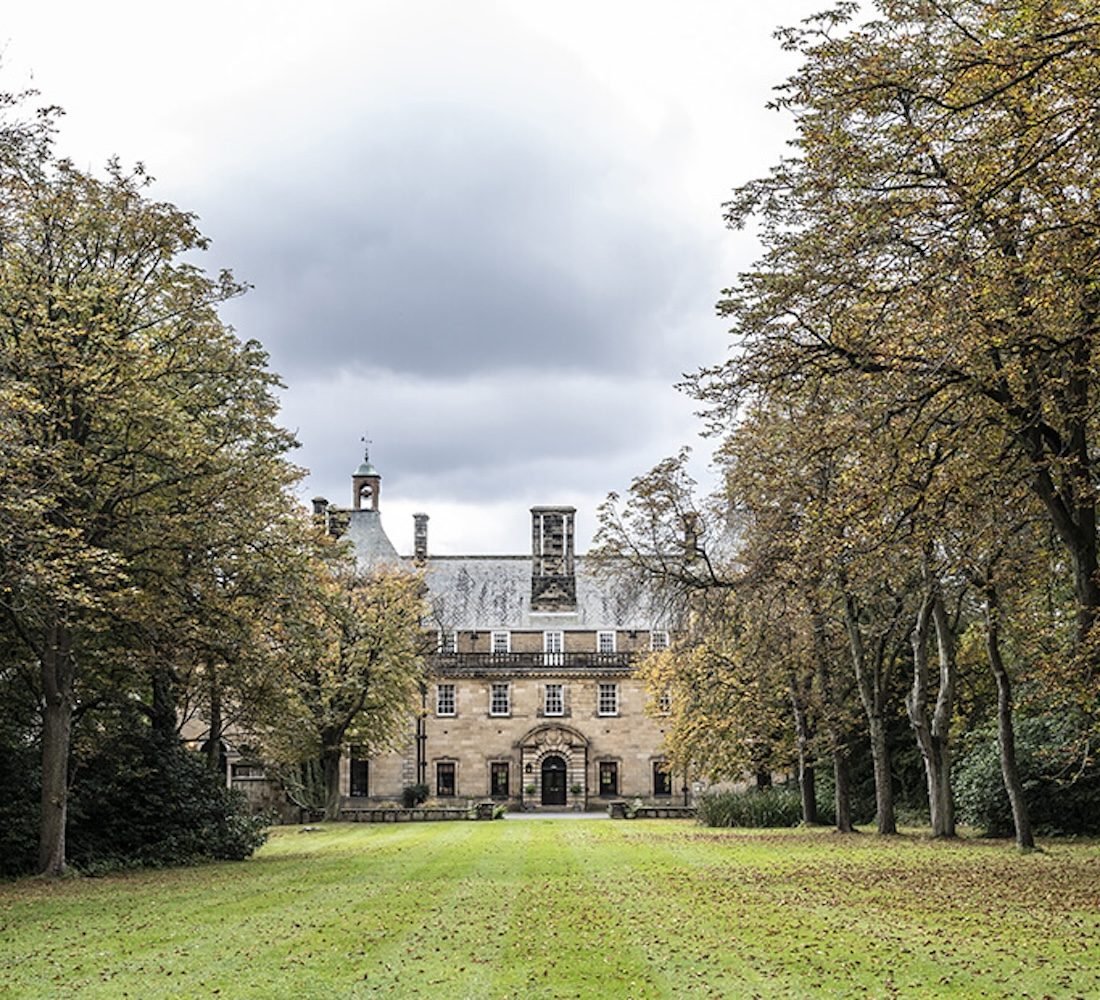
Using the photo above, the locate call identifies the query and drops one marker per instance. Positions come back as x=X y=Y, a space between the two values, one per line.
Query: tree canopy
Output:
x=143 y=469
x=909 y=408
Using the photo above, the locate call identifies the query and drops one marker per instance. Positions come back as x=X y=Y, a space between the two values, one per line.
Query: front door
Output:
x=553 y=781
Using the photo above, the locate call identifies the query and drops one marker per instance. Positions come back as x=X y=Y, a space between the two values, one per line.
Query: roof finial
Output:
x=367 y=442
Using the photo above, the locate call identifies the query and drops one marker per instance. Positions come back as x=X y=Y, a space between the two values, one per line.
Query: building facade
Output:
x=531 y=698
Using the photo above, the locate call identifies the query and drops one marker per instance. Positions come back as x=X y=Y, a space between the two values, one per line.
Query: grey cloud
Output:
x=488 y=436
x=452 y=241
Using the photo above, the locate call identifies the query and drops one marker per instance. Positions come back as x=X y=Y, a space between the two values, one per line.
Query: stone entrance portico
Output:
x=542 y=751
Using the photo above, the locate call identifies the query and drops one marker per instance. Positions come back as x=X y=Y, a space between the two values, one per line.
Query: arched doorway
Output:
x=553 y=781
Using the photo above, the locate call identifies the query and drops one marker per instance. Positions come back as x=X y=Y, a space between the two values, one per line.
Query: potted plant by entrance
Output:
x=575 y=788
x=528 y=789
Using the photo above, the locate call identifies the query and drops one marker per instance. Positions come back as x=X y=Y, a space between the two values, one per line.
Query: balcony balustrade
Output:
x=512 y=662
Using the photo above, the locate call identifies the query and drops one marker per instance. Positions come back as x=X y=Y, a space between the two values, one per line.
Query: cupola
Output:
x=366 y=484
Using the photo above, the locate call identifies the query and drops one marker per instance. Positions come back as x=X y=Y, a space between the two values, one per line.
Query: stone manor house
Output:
x=531 y=697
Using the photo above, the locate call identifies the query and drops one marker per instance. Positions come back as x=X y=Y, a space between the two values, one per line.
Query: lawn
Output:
x=541 y=908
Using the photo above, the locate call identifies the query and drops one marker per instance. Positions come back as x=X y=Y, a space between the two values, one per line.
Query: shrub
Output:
x=1062 y=794
x=776 y=806
x=142 y=800
x=414 y=795
x=19 y=806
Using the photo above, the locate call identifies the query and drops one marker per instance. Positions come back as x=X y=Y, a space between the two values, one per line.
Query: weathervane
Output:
x=367 y=442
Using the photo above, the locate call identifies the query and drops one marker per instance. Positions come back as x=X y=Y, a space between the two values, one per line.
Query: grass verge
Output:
x=569 y=909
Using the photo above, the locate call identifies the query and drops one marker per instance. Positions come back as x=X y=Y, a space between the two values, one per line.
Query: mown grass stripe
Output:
x=548 y=909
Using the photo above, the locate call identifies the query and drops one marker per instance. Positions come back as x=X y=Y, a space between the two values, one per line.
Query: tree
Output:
x=126 y=405
x=936 y=232
x=353 y=647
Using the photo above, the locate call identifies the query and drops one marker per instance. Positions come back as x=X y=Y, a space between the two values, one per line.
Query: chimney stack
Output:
x=420 y=537
x=691 y=535
x=553 y=583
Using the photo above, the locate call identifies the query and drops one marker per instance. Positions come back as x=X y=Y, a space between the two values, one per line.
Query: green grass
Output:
x=569 y=909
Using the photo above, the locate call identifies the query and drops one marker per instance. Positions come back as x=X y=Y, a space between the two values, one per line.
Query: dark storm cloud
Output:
x=448 y=240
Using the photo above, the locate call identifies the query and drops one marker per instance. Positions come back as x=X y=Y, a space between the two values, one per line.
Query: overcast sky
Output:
x=487 y=235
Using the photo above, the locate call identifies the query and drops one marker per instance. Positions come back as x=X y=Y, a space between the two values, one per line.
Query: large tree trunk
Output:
x=164 y=712
x=932 y=730
x=1085 y=574
x=842 y=782
x=214 y=742
x=57 y=687
x=1070 y=503
x=885 y=820
x=330 y=767
x=804 y=739
x=1006 y=735
x=871 y=684
x=842 y=776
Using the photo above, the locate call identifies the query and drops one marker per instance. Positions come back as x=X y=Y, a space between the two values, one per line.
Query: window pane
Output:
x=609 y=777
x=501 y=642
x=444 y=779
x=607 y=699
x=499 y=779
x=555 y=700
x=605 y=642
x=552 y=645
x=658 y=640
x=498 y=700
x=662 y=778
x=445 y=699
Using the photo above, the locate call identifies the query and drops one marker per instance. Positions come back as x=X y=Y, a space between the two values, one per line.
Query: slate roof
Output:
x=469 y=593
x=369 y=539
x=487 y=592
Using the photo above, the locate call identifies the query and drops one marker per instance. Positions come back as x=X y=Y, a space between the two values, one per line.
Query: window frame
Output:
x=662 y=780
x=494 y=689
x=658 y=640
x=609 y=690
x=442 y=767
x=439 y=710
x=607 y=789
x=500 y=637
x=550 y=638
x=603 y=634
x=358 y=773
x=447 y=642
x=497 y=767
x=560 y=689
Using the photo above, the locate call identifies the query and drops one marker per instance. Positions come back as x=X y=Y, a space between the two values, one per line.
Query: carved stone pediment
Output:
x=554 y=735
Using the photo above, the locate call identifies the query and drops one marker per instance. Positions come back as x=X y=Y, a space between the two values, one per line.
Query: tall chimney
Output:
x=553 y=583
x=691 y=535
x=420 y=537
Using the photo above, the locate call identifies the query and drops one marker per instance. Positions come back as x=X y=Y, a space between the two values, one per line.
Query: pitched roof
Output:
x=369 y=540
x=487 y=592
